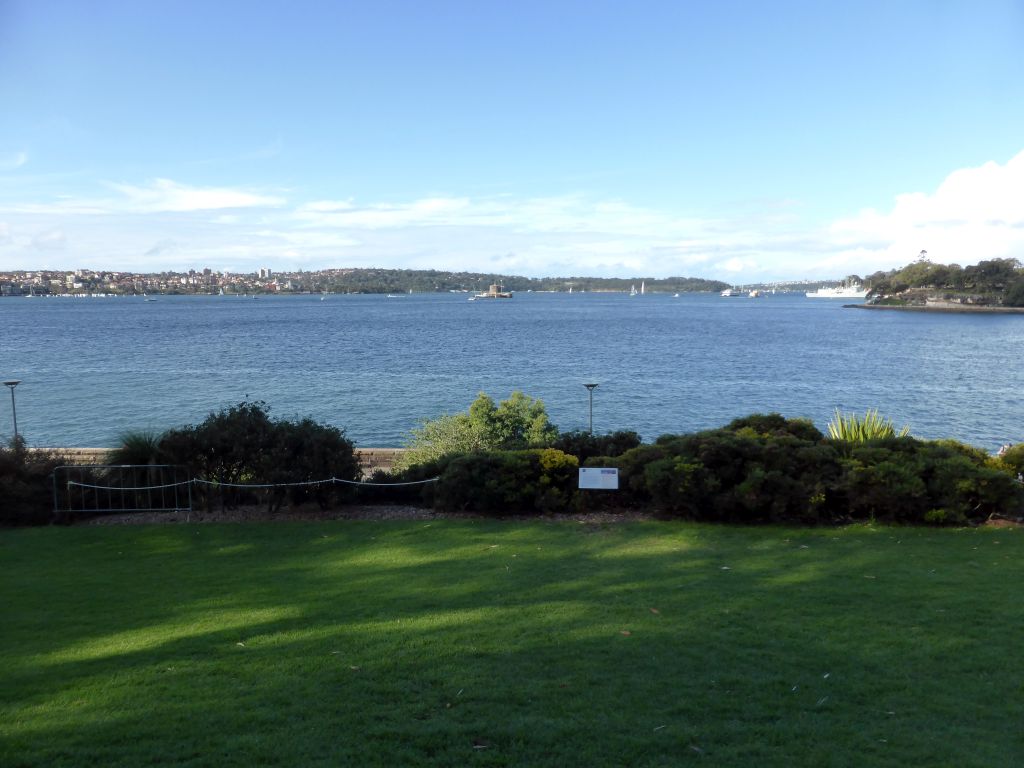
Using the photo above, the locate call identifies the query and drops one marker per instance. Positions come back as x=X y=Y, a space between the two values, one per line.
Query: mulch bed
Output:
x=312 y=512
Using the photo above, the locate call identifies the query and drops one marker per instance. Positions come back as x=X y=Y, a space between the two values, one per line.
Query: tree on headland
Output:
x=1015 y=294
x=995 y=280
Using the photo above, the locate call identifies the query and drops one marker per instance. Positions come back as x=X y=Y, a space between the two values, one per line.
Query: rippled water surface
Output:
x=92 y=368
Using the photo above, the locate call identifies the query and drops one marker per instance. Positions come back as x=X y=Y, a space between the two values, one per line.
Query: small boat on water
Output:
x=732 y=293
x=852 y=291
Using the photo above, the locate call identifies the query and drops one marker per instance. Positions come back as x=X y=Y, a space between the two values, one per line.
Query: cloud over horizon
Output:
x=974 y=214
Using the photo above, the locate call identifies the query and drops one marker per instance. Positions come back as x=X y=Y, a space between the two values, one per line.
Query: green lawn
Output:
x=510 y=643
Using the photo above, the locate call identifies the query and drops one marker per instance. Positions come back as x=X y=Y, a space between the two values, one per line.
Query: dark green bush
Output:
x=1012 y=460
x=633 y=491
x=243 y=445
x=743 y=476
x=767 y=469
x=904 y=480
x=765 y=424
x=137 y=447
x=503 y=482
x=405 y=486
x=305 y=451
x=584 y=445
x=1014 y=296
x=26 y=484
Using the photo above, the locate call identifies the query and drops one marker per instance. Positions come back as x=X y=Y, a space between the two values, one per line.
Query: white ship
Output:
x=855 y=291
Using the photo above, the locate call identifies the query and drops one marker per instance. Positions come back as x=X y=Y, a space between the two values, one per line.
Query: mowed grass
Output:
x=510 y=643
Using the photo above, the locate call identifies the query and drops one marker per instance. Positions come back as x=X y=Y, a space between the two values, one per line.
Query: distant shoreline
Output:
x=966 y=309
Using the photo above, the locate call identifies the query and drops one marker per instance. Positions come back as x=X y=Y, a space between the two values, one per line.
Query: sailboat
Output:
x=643 y=287
x=632 y=290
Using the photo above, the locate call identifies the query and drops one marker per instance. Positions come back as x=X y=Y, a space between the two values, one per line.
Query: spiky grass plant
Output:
x=854 y=428
x=137 y=447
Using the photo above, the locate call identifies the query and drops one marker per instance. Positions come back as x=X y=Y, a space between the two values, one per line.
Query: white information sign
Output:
x=599 y=478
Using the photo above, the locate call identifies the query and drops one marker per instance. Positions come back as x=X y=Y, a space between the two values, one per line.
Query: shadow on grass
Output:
x=492 y=643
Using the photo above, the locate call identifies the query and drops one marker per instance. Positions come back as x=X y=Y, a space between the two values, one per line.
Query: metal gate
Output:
x=95 y=489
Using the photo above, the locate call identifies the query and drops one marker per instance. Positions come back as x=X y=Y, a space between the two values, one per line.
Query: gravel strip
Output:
x=311 y=512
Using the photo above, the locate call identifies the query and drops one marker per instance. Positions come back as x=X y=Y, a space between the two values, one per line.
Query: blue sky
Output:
x=736 y=140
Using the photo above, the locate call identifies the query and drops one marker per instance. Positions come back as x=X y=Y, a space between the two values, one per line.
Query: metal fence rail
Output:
x=96 y=489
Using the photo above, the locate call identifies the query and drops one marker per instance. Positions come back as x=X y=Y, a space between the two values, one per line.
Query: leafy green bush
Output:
x=903 y=480
x=633 y=488
x=758 y=470
x=584 y=445
x=242 y=444
x=26 y=484
x=1012 y=460
x=305 y=451
x=1014 y=296
x=516 y=423
x=776 y=424
x=503 y=482
x=742 y=476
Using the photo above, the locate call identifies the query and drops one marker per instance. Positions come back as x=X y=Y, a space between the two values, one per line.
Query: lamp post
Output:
x=590 y=389
x=12 y=383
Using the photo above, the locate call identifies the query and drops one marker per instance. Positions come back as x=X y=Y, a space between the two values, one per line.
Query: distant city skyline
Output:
x=733 y=141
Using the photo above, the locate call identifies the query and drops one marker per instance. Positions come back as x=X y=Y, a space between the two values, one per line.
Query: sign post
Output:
x=599 y=478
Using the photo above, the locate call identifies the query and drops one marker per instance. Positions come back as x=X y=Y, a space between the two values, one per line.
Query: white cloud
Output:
x=166 y=195
x=50 y=240
x=157 y=196
x=976 y=213
x=735 y=266
x=10 y=161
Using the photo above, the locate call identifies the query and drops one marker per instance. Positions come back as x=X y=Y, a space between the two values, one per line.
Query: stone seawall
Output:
x=370 y=459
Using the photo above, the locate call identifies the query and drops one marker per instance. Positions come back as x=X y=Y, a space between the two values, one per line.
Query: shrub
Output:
x=304 y=451
x=633 y=489
x=516 y=423
x=1014 y=296
x=904 y=480
x=242 y=444
x=227 y=447
x=765 y=424
x=502 y=482
x=137 y=447
x=744 y=477
x=851 y=428
x=26 y=484
x=584 y=445
x=1012 y=460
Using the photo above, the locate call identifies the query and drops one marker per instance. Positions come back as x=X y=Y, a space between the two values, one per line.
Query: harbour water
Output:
x=92 y=368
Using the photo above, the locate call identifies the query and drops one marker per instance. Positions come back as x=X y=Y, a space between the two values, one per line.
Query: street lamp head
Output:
x=12 y=383
x=591 y=387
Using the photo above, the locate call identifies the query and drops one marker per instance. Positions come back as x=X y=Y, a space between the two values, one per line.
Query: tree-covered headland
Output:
x=996 y=282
